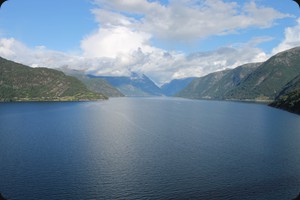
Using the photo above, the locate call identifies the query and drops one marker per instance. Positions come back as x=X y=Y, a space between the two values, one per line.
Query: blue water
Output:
x=148 y=148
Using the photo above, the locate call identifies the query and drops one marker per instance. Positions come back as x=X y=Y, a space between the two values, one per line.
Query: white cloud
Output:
x=158 y=64
x=115 y=41
x=122 y=42
x=39 y=56
x=109 y=19
x=262 y=17
x=132 y=6
x=200 y=64
x=9 y=47
x=163 y=66
x=187 y=19
x=291 y=39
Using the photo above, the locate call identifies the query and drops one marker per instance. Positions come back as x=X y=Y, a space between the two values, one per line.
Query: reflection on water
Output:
x=148 y=148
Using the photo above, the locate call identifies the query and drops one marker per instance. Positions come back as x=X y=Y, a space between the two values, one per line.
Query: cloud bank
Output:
x=123 y=41
x=291 y=38
x=184 y=20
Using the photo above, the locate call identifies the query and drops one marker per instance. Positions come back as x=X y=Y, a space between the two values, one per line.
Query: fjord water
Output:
x=148 y=148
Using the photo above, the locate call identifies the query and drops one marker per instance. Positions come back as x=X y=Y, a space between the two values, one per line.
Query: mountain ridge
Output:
x=19 y=82
x=94 y=84
x=217 y=84
x=133 y=85
x=277 y=79
x=289 y=98
x=176 y=85
x=267 y=81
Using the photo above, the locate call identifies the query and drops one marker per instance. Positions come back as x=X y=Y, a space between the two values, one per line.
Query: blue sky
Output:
x=164 y=39
x=56 y=24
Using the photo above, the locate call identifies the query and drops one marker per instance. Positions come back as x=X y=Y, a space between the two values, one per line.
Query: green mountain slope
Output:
x=94 y=84
x=289 y=98
x=200 y=88
x=290 y=87
x=175 y=86
x=289 y=102
x=22 y=83
x=217 y=85
x=249 y=82
x=267 y=81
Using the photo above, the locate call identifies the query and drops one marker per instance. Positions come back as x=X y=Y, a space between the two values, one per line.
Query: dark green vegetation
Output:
x=94 y=84
x=270 y=78
x=289 y=102
x=289 y=98
x=217 y=85
x=276 y=79
x=22 y=83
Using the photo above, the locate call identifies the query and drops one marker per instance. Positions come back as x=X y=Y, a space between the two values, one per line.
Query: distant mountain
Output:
x=268 y=80
x=289 y=98
x=133 y=85
x=176 y=85
x=200 y=87
x=22 y=83
x=216 y=85
x=94 y=84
